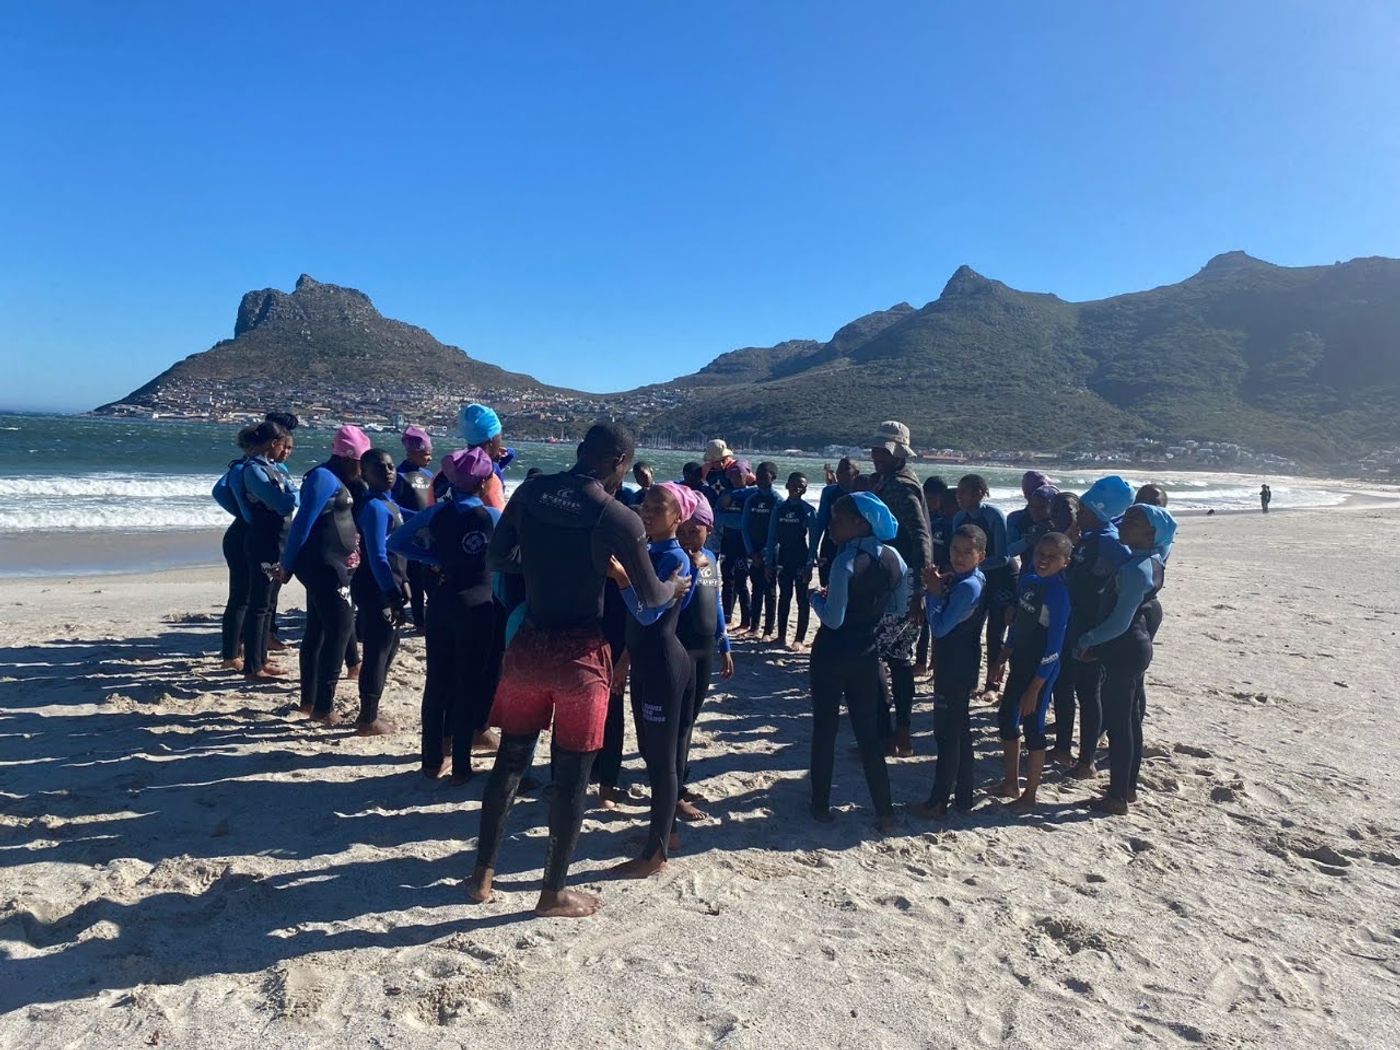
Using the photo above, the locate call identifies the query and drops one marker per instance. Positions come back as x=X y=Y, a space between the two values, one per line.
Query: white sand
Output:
x=186 y=863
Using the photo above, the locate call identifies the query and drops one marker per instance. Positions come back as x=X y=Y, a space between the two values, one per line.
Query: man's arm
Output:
x=503 y=555
x=620 y=534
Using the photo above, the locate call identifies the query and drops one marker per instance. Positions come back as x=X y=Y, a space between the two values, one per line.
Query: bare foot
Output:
x=447 y=747
x=479 y=885
x=236 y=664
x=608 y=796
x=378 y=727
x=673 y=843
x=687 y=810
x=326 y=718
x=641 y=868
x=276 y=645
x=1006 y=789
x=305 y=709
x=352 y=674
x=1083 y=771
x=567 y=904
x=431 y=772
x=887 y=825
x=932 y=811
x=1062 y=757
x=797 y=647
x=1132 y=796
x=1023 y=805
x=267 y=674
x=1105 y=804
x=458 y=779
x=903 y=744
x=822 y=814
x=486 y=740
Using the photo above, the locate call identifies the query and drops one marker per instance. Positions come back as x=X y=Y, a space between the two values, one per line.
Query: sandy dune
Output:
x=186 y=863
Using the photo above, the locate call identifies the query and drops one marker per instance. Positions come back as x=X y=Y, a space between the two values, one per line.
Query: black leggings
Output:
x=1125 y=661
x=1063 y=696
x=236 y=608
x=901 y=691
x=794 y=582
x=702 y=666
x=734 y=586
x=853 y=674
x=952 y=729
x=566 y=803
x=763 y=597
x=1088 y=685
x=330 y=621
x=381 y=641
x=259 y=548
x=661 y=674
x=419 y=575
x=925 y=638
x=465 y=641
x=1001 y=595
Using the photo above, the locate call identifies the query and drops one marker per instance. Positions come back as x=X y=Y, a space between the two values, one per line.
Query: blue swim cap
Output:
x=1163 y=527
x=872 y=508
x=478 y=424
x=1108 y=498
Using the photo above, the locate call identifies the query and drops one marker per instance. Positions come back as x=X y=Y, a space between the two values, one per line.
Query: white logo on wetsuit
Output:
x=474 y=542
x=344 y=593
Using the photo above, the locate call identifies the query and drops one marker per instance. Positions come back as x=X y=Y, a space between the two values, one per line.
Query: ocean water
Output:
x=75 y=473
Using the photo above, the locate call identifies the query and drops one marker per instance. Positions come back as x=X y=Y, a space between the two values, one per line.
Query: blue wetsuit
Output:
x=997 y=568
x=266 y=500
x=413 y=492
x=755 y=522
x=235 y=557
x=791 y=551
x=661 y=675
x=1096 y=558
x=377 y=586
x=733 y=560
x=869 y=581
x=955 y=620
x=701 y=629
x=1036 y=640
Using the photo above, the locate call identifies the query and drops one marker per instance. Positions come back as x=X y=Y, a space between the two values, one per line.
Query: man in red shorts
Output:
x=560 y=531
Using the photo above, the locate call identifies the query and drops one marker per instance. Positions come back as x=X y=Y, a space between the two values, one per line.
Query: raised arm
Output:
x=946 y=611
x=503 y=555
x=621 y=535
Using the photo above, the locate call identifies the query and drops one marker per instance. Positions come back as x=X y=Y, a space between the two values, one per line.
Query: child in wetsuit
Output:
x=869 y=581
x=754 y=523
x=942 y=508
x=734 y=491
x=955 y=608
x=997 y=567
x=660 y=667
x=379 y=587
x=1033 y=649
x=700 y=629
x=790 y=555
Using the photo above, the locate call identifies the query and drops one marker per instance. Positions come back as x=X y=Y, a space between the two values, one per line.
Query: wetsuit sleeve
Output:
x=272 y=495
x=823 y=516
x=831 y=609
x=645 y=614
x=503 y=555
x=1017 y=540
x=374 y=527
x=1011 y=631
x=721 y=629
x=621 y=534
x=1057 y=602
x=996 y=541
x=770 y=547
x=946 y=612
x=319 y=489
x=1134 y=581
x=903 y=591
x=413 y=541
x=744 y=528
x=813 y=534
x=223 y=493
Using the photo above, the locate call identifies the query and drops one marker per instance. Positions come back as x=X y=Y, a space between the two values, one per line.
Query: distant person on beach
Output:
x=790 y=556
x=899 y=488
x=842 y=483
x=1121 y=642
x=465 y=624
x=1266 y=496
x=379 y=588
x=701 y=630
x=1033 y=649
x=268 y=500
x=869 y=581
x=661 y=671
x=413 y=492
x=754 y=523
x=1098 y=554
x=955 y=606
x=322 y=551
x=561 y=531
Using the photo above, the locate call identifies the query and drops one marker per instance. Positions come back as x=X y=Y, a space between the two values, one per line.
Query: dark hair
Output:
x=641 y=464
x=606 y=442
x=848 y=463
x=263 y=433
x=770 y=467
x=1066 y=505
x=973 y=533
x=934 y=484
x=1151 y=493
x=796 y=476
x=533 y=472
x=376 y=453
x=1059 y=541
x=975 y=481
x=286 y=419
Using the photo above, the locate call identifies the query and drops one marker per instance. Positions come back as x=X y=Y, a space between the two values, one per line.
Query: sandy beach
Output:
x=184 y=862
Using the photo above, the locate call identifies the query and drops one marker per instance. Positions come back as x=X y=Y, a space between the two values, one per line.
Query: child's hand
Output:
x=619 y=675
x=618 y=574
x=933 y=582
x=727 y=670
x=995 y=674
x=1030 y=698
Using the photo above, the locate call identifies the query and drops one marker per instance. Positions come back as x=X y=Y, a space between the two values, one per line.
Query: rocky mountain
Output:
x=1303 y=361
x=325 y=350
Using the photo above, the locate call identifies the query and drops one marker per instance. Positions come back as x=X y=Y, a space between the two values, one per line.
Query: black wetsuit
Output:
x=268 y=502
x=377 y=588
x=236 y=607
x=700 y=627
x=791 y=552
x=733 y=555
x=1095 y=560
x=607 y=769
x=763 y=585
x=413 y=492
x=957 y=660
x=559 y=530
x=320 y=543
x=941 y=537
x=845 y=664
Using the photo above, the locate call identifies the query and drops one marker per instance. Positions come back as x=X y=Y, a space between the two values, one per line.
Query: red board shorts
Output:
x=563 y=675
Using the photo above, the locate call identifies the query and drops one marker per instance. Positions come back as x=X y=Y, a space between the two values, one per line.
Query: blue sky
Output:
x=611 y=194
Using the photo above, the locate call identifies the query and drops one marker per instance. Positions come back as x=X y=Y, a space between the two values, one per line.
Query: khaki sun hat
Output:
x=893 y=436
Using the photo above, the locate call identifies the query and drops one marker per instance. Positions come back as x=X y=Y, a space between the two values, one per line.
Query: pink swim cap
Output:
x=350 y=442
